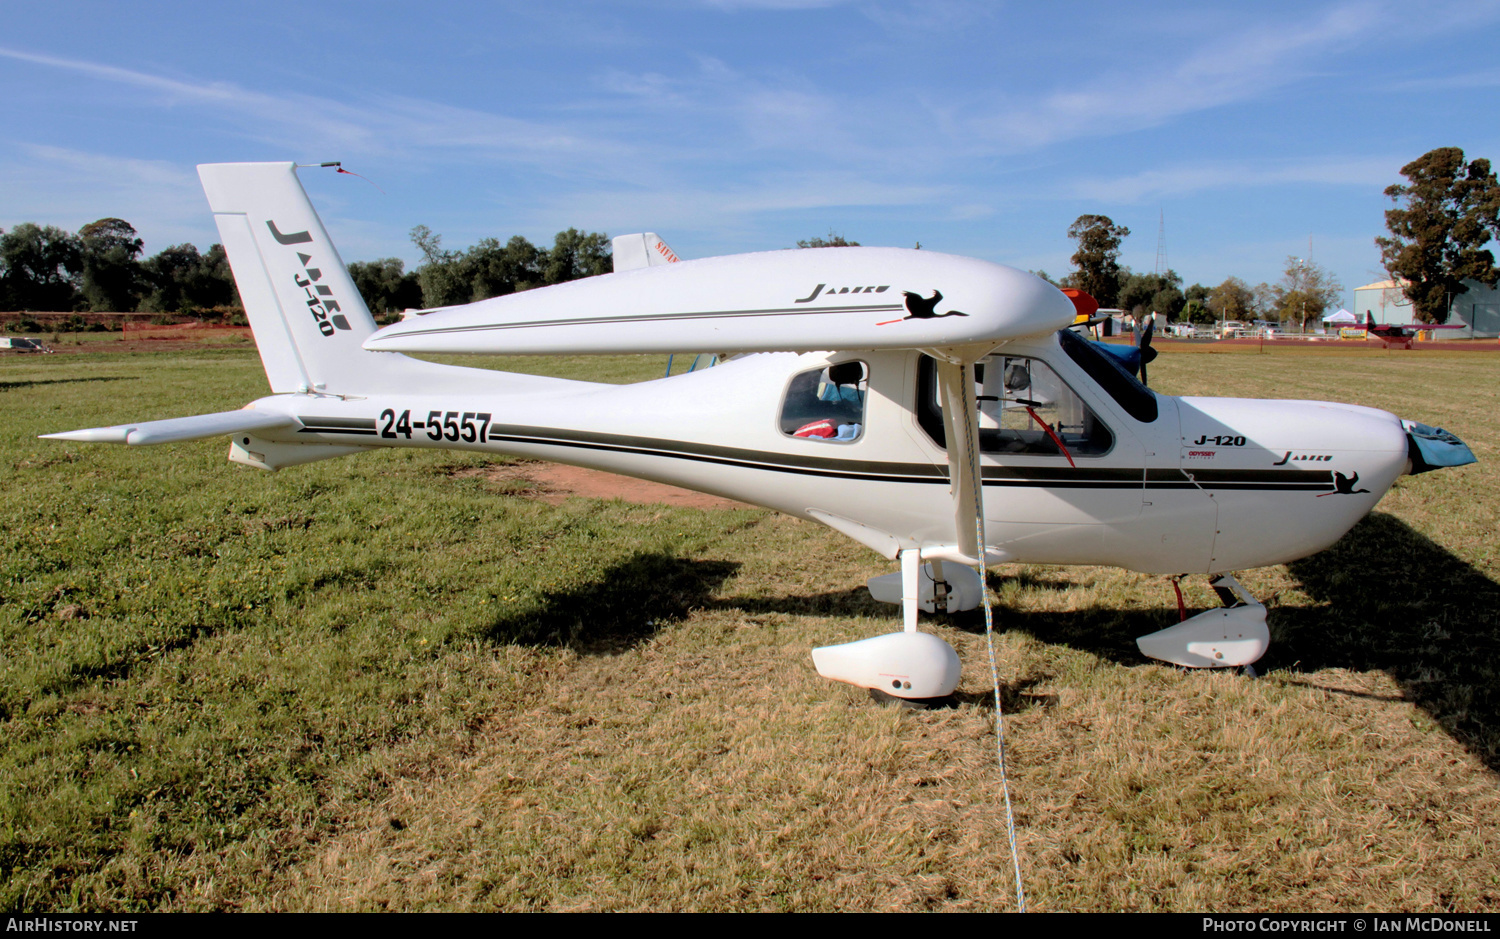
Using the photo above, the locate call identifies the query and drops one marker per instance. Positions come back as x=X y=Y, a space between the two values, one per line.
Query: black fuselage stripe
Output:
x=992 y=475
x=925 y=473
x=723 y=461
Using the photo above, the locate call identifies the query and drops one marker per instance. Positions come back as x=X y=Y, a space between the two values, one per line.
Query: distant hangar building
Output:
x=1478 y=308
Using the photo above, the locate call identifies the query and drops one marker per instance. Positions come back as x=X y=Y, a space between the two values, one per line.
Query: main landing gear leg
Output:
x=907 y=664
x=1230 y=637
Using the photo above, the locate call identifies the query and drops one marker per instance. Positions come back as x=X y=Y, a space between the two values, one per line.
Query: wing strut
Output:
x=962 y=433
x=955 y=371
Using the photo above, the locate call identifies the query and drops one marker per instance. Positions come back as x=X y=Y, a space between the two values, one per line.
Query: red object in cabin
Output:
x=823 y=428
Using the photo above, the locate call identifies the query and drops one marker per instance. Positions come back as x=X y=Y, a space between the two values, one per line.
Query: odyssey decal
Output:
x=1344 y=486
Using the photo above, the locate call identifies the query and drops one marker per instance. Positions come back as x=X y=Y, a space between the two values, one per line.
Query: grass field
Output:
x=383 y=683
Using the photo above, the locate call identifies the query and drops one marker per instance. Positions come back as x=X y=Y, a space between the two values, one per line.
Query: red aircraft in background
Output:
x=1397 y=336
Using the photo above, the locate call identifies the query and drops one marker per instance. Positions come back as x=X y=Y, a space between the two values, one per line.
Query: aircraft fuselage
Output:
x=1208 y=485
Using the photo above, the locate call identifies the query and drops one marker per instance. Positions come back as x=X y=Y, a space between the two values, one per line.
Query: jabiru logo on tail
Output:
x=320 y=302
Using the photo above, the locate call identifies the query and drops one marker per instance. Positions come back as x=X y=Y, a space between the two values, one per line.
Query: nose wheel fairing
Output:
x=903 y=665
x=1229 y=637
x=907 y=664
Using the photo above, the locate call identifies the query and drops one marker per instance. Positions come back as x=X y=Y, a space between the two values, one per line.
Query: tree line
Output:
x=1446 y=213
x=99 y=269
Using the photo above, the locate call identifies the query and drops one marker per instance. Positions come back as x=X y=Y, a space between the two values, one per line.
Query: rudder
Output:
x=308 y=318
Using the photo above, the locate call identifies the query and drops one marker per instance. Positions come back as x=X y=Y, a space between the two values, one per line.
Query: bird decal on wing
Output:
x=919 y=307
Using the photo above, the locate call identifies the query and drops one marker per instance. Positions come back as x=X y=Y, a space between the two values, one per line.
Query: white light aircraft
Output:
x=939 y=365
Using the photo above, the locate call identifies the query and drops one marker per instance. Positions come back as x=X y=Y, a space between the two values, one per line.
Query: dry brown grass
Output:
x=710 y=768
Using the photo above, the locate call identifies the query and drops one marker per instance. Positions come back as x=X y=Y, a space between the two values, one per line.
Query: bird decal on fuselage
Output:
x=1344 y=486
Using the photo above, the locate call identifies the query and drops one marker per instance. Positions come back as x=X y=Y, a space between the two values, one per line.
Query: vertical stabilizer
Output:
x=308 y=318
x=632 y=252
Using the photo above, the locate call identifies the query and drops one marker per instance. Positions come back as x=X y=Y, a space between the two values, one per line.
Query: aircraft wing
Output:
x=781 y=301
x=1369 y=325
x=1386 y=327
x=179 y=429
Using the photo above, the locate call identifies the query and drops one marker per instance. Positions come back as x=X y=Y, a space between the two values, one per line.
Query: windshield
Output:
x=1127 y=391
x=1023 y=407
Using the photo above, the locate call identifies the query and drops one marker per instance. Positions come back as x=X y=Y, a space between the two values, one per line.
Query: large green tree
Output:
x=1232 y=300
x=1445 y=214
x=496 y=270
x=1305 y=291
x=1097 y=260
x=385 y=286
x=1196 y=309
x=169 y=272
x=39 y=268
x=113 y=280
x=1141 y=294
x=441 y=274
x=181 y=280
x=833 y=240
x=490 y=269
x=575 y=255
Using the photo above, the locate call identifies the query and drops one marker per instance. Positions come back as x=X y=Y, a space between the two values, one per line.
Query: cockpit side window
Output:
x=1137 y=400
x=1024 y=407
x=827 y=403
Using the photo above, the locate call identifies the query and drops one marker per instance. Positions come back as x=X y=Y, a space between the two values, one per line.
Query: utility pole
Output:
x=1161 y=242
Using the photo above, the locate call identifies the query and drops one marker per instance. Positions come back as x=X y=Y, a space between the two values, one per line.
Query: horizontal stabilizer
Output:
x=179 y=429
x=779 y=301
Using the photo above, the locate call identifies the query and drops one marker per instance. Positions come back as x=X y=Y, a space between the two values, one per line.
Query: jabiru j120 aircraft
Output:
x=935 y=409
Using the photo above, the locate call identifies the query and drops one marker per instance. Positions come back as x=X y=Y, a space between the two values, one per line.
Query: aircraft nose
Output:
x=1430 y=448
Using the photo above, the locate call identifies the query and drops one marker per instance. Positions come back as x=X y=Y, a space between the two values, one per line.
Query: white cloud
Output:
x=1484 y=78
x=1234 y=65
x=930 y=16
x=670 y=209
x=1189 y=178
x=69 y=188
x=772 y=4
x=383 y=125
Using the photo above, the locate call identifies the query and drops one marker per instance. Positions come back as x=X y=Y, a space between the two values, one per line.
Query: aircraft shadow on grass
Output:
x=1385 y=597
x=624 y=606
x=14 y=385
x=630 y=601
x=1389 y=598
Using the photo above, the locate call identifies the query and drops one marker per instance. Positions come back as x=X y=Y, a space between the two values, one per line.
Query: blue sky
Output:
x=980 y=129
